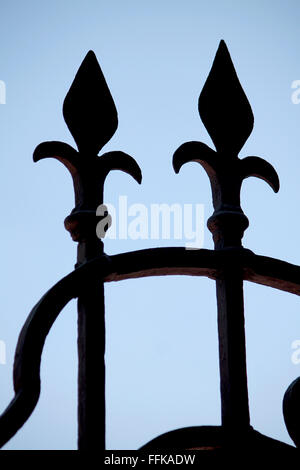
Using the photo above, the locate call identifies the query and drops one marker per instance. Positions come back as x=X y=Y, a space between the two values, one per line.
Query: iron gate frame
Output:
x=91 y=116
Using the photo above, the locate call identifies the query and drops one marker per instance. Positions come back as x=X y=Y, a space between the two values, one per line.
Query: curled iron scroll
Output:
x=29 y=349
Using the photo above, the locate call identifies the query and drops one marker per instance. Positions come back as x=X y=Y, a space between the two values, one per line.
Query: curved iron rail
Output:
x=26 y=375
x=259 y=269
x=137 y=264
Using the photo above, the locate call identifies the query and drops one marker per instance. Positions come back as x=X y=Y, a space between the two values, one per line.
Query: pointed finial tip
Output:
x=223 y=46
x=89 y=58
x=90 y=55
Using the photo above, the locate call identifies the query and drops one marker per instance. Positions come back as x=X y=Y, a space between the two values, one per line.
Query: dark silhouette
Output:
x=91 y=116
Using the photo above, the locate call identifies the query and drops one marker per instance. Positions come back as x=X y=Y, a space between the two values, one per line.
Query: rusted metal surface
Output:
x=91 y=116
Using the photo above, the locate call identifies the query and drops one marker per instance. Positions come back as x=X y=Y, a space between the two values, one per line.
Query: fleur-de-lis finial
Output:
x=227 y=116
x=91 y=116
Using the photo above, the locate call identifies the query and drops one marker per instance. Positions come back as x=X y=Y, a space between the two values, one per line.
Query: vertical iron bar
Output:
x=228 y=118
x=232 y=351
x=91 y=116
x=228 y=229
x=91 y=348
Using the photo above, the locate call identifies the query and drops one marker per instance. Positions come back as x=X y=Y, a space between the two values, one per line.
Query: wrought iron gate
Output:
x=91 y=117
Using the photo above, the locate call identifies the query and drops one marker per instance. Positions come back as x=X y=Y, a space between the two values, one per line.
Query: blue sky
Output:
x=162 y=359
